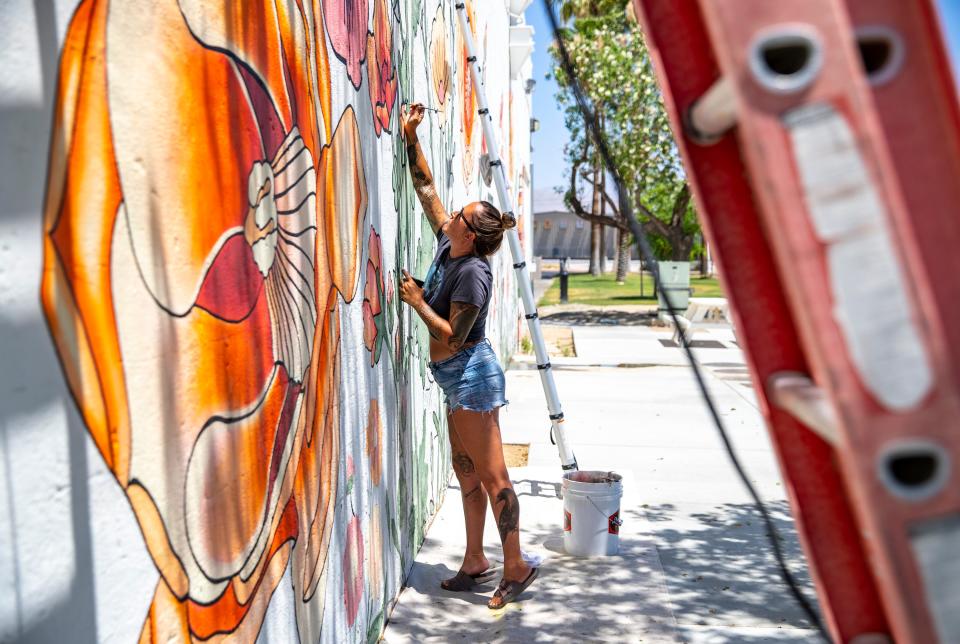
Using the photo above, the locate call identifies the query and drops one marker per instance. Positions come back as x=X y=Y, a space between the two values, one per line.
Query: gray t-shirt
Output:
x=466 y=279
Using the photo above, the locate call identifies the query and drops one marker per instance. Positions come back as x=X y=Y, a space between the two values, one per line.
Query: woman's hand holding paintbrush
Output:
x=411 y=116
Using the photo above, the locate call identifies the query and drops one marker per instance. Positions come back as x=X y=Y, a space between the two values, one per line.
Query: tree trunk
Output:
x=596 y=229
x=603 y=249
x=680 y=245
x=603 y=229
x=616 y=251
x=623 y=255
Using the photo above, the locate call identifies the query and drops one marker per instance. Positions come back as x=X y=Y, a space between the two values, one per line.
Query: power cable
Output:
x=643 y=244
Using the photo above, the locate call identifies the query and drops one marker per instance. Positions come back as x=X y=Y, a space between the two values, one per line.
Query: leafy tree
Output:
x=607 y=50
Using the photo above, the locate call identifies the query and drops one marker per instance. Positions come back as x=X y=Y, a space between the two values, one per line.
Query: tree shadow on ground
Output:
x=719 y=564
x=680 y=576
x=600 y=317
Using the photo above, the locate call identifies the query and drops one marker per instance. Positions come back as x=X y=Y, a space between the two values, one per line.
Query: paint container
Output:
x=591 y=513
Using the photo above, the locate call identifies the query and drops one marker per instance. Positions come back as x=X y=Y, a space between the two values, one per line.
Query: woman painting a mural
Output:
x=453 y=304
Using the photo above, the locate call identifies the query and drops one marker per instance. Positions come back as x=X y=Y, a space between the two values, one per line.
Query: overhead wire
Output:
x=646 y=252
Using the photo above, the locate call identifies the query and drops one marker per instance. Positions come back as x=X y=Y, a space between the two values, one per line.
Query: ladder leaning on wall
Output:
x=557 y=430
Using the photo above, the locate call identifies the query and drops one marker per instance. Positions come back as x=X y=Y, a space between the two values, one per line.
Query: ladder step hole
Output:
x=881 y=52
x=787 y=56
x=913 y=470
x=876 y=53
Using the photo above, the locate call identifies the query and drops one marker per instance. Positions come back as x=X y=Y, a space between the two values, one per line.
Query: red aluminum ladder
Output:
x=822 y=142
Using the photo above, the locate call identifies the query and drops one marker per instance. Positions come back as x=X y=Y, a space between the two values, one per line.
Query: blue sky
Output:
x=549 y=141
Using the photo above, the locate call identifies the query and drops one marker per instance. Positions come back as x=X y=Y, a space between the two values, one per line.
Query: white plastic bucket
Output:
x=591 y=513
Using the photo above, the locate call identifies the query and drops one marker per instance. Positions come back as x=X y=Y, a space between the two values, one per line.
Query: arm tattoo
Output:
x=462 y=318
x=509 y=519
x=419 y=171
x=454 y=332
x=436 y=325
x=423 y=184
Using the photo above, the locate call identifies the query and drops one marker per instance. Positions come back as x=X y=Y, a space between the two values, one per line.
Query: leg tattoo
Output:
x=473 y=494
x=462 y=464
x=509 y=520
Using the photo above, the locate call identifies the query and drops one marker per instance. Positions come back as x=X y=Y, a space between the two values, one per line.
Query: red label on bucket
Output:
x=613 y=523
x=567 y=521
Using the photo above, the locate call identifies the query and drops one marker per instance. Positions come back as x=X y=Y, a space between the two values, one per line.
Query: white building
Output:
x=557 y=232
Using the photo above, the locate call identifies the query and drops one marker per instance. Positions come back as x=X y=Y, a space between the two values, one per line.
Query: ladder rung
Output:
x=713 y=114
x=799 y=396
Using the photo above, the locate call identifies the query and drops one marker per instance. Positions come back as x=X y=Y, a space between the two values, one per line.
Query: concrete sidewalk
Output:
x=694 y=563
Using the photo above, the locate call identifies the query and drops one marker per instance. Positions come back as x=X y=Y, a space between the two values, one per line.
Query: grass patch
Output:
x=526 y=344
x=604 y=290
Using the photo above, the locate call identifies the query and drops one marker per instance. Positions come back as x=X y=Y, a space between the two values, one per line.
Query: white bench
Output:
x=700 y=311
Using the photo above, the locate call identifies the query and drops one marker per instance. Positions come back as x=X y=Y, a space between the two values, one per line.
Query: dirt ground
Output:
x=515 y=454
x=559 y=341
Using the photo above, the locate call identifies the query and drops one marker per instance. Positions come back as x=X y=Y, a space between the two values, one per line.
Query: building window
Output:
x=563 y=224
x=547 y=224
x=579 y=223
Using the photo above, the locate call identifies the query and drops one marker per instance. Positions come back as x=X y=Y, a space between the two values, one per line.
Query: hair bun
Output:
x=507 y=221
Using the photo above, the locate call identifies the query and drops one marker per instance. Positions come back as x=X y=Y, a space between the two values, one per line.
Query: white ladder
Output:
x=567 y=458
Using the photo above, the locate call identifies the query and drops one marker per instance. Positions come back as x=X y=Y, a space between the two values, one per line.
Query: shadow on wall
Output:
x=31 y=385
x=25 y=127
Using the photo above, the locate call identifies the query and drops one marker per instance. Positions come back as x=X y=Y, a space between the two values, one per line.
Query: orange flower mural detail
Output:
x=202 y=225
x=353 y=570
x=374 y=554
x=439 y=66
x=468 y=104
x=381 y=75
x=374 y=296
x=347 y=25
x=375 y=442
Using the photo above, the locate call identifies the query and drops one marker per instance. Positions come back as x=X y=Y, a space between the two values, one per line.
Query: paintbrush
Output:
x=429 y=109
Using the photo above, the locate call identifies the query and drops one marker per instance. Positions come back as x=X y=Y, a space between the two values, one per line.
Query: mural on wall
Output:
x=226 y=213
x=468 y=103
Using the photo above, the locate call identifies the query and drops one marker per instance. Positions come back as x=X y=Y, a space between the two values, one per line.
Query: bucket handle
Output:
x=617 y=521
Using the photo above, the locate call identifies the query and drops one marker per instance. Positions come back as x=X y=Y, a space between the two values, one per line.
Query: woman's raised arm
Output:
x=419 y=170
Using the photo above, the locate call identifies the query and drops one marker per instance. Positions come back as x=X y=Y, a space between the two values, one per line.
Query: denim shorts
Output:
x=471 y=379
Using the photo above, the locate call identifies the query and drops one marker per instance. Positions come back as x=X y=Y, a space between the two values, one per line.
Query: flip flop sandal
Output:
x=508 y=591
x=462 y=581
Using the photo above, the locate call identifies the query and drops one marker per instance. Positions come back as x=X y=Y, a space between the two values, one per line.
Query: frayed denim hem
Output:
x=460 y=406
